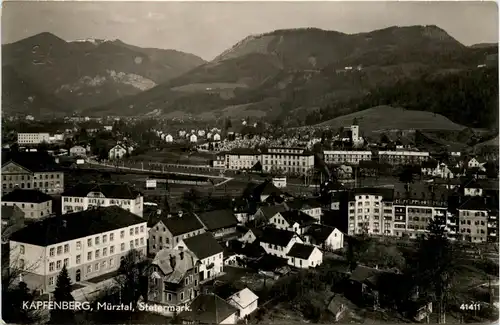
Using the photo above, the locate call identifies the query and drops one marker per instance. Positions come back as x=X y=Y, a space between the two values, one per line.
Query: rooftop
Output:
x=276 y=236
x=203 y=245
x=301 y=251
x=115 y=191
x=174 y=263
x=30 y=196
x=218 y=219
x=208 y=309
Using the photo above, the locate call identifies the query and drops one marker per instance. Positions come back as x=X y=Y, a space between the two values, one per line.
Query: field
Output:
x=174 y=156
x=387 y=118
x=208 y=87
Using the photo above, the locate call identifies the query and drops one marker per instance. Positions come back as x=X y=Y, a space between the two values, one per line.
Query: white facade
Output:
x=43 y=263
x=193 y=138
x=279 y=182
x=333 y=242
x=287 y=160
x=280 y=251
x=216 y=137
x=369 y=214
x=315 y=259
x=77 y=151
x=32 y=138
x=280 y=223
x=210 y=267
x=473 y=191
x=248 y=237
x=241 y=161
x=245 y=301
x=117 y=152
x=346 y=157
x=93 y=199
x=169 y=138
x=403 y=157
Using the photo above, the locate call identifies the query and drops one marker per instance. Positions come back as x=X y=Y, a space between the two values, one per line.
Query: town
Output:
x=231 y=217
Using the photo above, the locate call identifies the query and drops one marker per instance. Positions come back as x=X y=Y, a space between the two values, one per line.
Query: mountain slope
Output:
x=93 y=73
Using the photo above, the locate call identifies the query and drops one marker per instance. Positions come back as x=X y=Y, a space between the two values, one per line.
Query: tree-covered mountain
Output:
x=90 y=73
x=304 y=70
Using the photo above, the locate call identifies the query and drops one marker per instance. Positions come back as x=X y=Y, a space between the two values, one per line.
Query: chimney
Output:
x=180 y=214
x=172 y=261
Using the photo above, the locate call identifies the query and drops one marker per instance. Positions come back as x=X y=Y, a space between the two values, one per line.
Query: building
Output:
x=220 y=161
x=220 y=223
x=473 y=217
x=242 y=158
x=168 y=232
x=117 y=152
x=287 y=160
x=308 y=206
x=31 y=170
x=293 y=220
x=77 y=151
x=209 y=309
x=304 y=256
x=90 y=243
x=32 y=138
x=12 y=221
x=208 y=251
x=473 y=188
x=193 y=138
x=435 y=169
x=278 y=242
x=403 y=157
x=325 y=237
x=33 y=203
x=169 y=138
x=173 y=277
x=245 y=301
x=216 y=137
x=371 y=211
x=279 y=182
x=84 y=196
x=339 y=157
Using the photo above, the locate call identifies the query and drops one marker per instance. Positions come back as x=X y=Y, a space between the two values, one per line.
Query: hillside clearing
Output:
x=388 y=118
x=208 y=87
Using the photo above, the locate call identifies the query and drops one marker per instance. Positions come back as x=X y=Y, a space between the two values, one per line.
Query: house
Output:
x=337 y=307
x=265 y=213
x=245 y=301
x=262 y=191
x=368 y=284
x=294 y=221
x=117 y=152
x=473 y=188
x=87 y=195
x=209 y=309
x=208 y=251
x=12 y=221
x=251 y=235
x=435 y=169
x=307 y=206
x=193 y=138
x=90 y=243
x=216 y=137
x=77 y=151
x=173 y=277
x=108 y=128
x=33 y=203
x=169 y=231
x=169 y=138
x=325 y=237
x=221 y=223
x=31 y=170
x=278 y=242
x=304 y=256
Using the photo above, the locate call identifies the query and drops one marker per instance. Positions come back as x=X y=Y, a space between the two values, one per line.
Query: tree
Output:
x=434 y=266
x=12 y=300
x=406 y=176
x=132 y=279
x=356 y=246
x=62 y=293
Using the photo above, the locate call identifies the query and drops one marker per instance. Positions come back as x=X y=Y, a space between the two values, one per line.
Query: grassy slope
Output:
x=386 y=117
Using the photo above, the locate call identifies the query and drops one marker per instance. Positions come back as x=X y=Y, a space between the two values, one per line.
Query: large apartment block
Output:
x=346 y=157
x=85 y=196
x=31 y=170
x=403 y=157
x=32 y=138
x=33 y=203
x=287 y=160
x=90 y=243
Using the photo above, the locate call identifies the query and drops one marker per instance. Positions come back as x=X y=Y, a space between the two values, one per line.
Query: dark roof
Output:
x=115 y=191
x=203 y=245
x=472 y=184
x=208 y=309
x=76 y=225
x=386 y=193
x=361 y=273
x=320 y=233
x=297 y=217
x=301 y=204
x=266 y=188
x=474 y=203
x=301 y=251
x=22 y=195
x=181 y=225
x=249 y=250
x=270 y=211
x=218 y=219
x=244 y=151
x=276 y=236
x=9 y=211
x=34 y=161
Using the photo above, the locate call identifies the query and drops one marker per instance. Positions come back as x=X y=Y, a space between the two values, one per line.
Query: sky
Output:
x=208 y=28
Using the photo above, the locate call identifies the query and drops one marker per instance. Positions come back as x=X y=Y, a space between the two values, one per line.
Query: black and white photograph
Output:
x=249 y=162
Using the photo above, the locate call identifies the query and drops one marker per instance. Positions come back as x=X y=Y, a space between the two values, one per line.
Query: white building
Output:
x=242 y=158
x=216 y=137
x=77 y=151
x=33 y=203
x=279 y=182
x=278 y=242
x=85 y=196
x=169 y=138
x=304 y=256
x=324 y=237
x=403 y=157
x=295 y=221
x=245 y=301
x=287 y=160
x=208 y=252
x=90 y=243
x=117 y=152
x=346 y=157
x=32 y=138
x=193 y=138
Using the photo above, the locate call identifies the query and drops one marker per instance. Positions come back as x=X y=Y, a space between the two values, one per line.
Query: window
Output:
x=186 y=281
x=89 y=269
x=142 y=228
x=169 y=297
x=89 y=256
x=122 y=246
x=103 y=265
x=111 y=262
x=66 y=248
x=21 y=264
x=104 y=252
x=21 y=249
x=104 y=238
x=96 y=266
x=89 y=242
x=136 y=230
x=97 y=254
x=112 y=250
x=97 y=240
x=122 y=234
x=131 y=244
x=66 y=261
x=78 y=259
x=142 y=240
x=182 y=296
x=131 y=231
x=137 y=241
x=59 y=250
x=51 y=266
x=58 y=265
x=78 y=245
x=111 y=237
x=51 y=281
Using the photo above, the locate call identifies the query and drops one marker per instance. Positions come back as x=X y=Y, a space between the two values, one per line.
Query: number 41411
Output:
x=471 y=306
